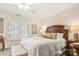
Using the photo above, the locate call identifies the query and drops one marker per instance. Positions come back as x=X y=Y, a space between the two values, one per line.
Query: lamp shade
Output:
x=75 y=28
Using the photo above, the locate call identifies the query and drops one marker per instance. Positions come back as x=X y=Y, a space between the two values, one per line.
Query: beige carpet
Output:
x=5 y=52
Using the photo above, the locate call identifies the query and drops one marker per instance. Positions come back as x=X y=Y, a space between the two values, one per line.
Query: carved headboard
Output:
x=58 y=29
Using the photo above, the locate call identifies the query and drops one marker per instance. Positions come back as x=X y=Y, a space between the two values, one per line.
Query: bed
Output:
x=39 y=46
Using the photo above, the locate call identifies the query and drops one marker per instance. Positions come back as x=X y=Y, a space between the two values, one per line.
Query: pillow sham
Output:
x=60 y=35
x=54 y=35
x=50 y=35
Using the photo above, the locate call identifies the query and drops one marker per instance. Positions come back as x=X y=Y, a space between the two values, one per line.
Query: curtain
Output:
x=15 y=29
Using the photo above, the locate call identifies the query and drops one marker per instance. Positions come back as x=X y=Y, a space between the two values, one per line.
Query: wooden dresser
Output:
x=2 y=40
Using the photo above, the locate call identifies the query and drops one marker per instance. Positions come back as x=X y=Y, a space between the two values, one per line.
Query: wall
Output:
x=69 y=16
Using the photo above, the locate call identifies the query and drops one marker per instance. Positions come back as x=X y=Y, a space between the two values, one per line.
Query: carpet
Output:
x=5 y=52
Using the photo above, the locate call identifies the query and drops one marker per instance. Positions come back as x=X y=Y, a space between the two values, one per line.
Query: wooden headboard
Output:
x=58 y=29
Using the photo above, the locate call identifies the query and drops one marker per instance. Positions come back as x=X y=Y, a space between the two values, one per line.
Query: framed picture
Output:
x=34 y=29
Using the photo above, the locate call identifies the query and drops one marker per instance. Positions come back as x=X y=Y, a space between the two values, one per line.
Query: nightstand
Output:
x=70 y=47
x=75 y=47
x=70 y=42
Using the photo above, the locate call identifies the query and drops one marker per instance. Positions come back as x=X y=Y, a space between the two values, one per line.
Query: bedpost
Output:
x=66 y=34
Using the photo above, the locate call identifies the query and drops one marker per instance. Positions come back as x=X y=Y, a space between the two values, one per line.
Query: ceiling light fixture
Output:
x=24 y=6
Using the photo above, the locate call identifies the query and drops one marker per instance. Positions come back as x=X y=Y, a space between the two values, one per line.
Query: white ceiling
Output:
x=37 y=11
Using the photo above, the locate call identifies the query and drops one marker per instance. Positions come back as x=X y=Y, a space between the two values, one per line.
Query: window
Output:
x=12 y=30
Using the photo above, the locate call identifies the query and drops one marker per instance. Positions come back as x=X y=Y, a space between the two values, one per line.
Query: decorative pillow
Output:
x=46 y=35
x=60 y=35
x=54 y=35
x=50 y=35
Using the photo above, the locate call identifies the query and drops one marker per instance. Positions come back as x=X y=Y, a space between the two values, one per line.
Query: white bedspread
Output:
x=38 y=46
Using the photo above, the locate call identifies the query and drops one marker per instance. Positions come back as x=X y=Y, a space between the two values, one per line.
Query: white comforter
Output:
x=37 y=46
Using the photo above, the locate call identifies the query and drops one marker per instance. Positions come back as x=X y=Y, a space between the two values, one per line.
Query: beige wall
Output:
x=66 y=17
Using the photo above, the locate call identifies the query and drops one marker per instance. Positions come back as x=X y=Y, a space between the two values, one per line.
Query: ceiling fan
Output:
x=24 y=6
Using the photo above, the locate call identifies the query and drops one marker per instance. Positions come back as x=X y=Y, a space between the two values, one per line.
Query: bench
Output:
x=18 y=50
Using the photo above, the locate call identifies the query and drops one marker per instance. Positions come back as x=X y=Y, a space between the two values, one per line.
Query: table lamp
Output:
x=75 y=29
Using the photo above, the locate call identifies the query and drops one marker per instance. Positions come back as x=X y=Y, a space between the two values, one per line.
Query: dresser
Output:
x=2 y=41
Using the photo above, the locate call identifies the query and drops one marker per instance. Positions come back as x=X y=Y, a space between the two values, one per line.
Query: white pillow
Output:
x=60 y=35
